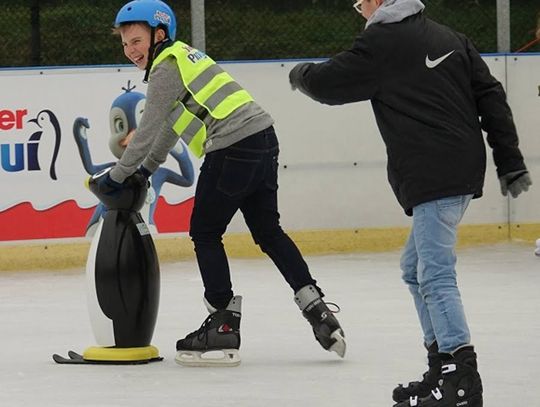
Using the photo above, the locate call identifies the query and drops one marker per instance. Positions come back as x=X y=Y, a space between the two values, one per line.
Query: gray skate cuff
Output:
x=305 y=296
x=235 y=305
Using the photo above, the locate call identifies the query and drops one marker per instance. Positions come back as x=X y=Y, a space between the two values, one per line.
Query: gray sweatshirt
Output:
x=393 y=11
x=154 y=137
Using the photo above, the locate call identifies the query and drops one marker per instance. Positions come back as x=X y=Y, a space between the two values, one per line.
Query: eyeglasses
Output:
x=357 y=6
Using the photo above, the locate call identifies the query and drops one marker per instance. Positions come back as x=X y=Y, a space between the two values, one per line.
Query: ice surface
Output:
x=42 y=313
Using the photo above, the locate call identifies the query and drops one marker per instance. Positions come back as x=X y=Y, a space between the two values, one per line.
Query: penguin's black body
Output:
x=127 y=278
x=123 y=276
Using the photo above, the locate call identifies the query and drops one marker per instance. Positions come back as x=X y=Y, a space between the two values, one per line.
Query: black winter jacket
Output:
x=432 y=94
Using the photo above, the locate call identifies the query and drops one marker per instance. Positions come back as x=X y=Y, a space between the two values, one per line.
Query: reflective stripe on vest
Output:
x=191 y=129
x=209 y=86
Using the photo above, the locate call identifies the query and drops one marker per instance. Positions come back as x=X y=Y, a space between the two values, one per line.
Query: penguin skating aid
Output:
x=122 y=280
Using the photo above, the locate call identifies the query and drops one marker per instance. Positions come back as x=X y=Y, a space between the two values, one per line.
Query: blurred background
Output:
x=71 y=32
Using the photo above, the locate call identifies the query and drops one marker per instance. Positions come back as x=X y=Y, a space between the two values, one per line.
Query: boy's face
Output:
x=136 y=43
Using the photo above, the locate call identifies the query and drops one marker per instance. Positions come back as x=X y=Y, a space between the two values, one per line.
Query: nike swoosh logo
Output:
x=432 y=64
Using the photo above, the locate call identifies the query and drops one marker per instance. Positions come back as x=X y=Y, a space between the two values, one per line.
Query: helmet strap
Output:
x=150 y=55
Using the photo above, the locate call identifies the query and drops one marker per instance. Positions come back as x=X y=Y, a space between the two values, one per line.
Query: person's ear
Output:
x=160 y=35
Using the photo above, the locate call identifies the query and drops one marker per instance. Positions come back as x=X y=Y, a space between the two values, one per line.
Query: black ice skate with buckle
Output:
x=430 y=379
x=325 y=326
x=461 y=387
x=216 y=342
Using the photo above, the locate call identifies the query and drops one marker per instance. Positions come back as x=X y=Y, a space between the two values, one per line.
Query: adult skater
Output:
x=191 y=97
x=428 y=87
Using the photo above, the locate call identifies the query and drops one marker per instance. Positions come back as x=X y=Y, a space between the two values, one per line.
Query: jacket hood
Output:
x=393 y=11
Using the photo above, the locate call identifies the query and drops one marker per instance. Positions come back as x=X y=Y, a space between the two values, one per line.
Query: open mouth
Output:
x=138 y=60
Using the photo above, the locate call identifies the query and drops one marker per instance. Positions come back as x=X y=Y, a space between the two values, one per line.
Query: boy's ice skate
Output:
x=325 y=326
x=217 y=341
x=461 y=383
x=430 y=379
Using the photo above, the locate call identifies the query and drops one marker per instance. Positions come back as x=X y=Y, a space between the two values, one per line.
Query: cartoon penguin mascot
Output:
x=122 y=279
x=124 y=115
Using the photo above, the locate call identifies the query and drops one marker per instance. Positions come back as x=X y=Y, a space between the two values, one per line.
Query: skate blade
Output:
x=214 y=358
x=339 y=346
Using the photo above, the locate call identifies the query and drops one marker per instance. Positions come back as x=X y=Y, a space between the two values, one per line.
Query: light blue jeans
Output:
x=428 y=263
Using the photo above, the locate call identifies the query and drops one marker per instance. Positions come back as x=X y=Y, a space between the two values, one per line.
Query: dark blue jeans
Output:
x=242 y=177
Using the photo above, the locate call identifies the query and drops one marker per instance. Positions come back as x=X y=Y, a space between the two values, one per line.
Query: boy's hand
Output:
x=145 y=172
x=105 y=184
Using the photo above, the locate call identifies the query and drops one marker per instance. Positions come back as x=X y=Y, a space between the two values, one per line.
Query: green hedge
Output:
x=79 y=33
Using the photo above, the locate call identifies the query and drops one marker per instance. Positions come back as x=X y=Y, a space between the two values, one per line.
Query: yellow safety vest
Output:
x=214 y=91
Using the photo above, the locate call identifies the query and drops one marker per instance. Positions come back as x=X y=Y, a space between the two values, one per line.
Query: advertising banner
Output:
x=58 y=127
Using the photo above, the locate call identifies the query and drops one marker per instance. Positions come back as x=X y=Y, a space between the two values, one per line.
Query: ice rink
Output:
x=282 y=365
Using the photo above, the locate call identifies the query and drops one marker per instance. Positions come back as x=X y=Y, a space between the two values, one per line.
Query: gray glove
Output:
x=295 y=75
x=516 y=182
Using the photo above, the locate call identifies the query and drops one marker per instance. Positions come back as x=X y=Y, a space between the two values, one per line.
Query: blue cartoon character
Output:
x=125 y=114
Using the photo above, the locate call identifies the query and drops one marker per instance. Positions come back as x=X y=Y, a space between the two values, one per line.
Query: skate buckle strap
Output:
x=436 y=393
x=413 y=401
x=331 y=305
x=448 y=368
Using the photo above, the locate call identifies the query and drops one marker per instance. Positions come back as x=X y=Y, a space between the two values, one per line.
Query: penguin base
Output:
x=143 y=354
x=111 y=356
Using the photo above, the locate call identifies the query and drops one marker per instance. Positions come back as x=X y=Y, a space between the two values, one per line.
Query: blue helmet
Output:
x=154 y=12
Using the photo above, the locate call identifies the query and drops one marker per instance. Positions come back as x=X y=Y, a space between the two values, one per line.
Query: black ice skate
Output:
x=461 y=383
x=325 y=326
x=216 y=342
x=430 y=379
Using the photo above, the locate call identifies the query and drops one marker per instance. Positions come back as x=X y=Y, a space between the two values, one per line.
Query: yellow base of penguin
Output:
x=122 y=355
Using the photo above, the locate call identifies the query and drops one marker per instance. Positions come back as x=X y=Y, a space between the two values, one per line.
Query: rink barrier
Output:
x=64 y=256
